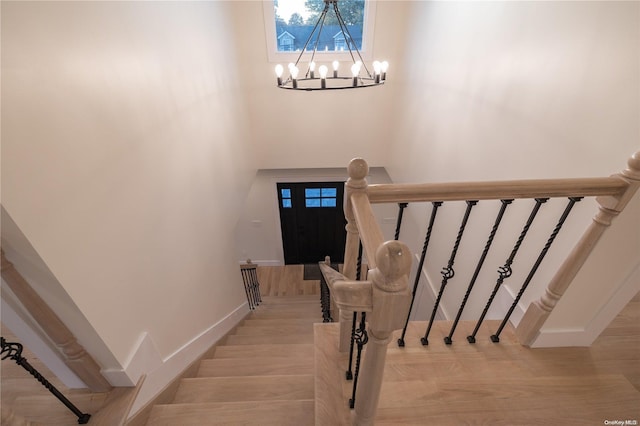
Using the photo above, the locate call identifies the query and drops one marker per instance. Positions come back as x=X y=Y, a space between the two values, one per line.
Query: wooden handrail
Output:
x=495 y=190
x=73 y=353
x=370 y=233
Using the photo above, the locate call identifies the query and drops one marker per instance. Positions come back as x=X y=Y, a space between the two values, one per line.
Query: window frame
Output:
x=275 y=56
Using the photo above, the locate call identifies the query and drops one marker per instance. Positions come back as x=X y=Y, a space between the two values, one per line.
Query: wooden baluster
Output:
x=74 y=354
x=391 y=298
x=357 y=182
x=610 y=206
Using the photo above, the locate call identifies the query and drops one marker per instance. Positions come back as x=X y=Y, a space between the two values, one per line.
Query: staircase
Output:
x=262 y=373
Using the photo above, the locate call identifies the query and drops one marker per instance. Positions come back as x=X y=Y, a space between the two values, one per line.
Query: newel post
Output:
x=358 y=170
x=391 y=298
x=610 y=206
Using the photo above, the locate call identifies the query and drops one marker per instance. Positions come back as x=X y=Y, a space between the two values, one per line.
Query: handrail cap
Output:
x=358 y=168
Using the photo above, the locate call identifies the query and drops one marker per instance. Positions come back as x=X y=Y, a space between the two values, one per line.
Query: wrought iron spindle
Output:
x=448 y=272
x=247 y=290
x=434 y=211
x=349 y=373
x=361 y=338
x=401 y=207
x=505 y=270
x=255 y=285
x=485 y=251
x=14 y=352
x=572 y=201
x=325 y=300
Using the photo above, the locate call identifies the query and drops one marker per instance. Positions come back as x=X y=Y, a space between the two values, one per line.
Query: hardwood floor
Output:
x=281 y=366
x=488 y=383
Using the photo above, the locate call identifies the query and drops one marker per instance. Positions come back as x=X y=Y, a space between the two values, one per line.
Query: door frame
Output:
x=276 y=206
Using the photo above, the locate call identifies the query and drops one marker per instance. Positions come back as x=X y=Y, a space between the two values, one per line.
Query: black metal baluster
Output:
x=505 y=270
x=572 y=201
x=401 y=207
x=245 y=281
x=14 y=352
x=325 y=300
x=361 y=338
x=349 y=373
x=434 y=211
x=492 y=234
x=255 y=285
x=448 y=272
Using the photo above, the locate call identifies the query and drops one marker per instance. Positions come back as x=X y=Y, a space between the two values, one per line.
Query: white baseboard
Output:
x=159 y=372
x=587 y=335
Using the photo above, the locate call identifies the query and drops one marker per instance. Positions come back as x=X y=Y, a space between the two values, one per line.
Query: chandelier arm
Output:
x=323 y=15
x=315 y=46
x=345 y=30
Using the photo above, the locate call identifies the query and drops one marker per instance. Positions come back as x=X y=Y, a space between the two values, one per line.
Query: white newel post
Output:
x=610 y=206
x=357 y=182
x=391 y=298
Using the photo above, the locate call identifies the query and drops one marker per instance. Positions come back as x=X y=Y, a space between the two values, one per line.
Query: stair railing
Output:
x=73 y=353
x=386 y=295
x=251 y=283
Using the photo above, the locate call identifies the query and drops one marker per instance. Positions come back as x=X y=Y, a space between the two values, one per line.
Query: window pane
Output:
x=329 y=192
x=295 y=21
x=312 y=192
x=328 y=202
x=312 y=202
x=286 y=193
x=286 y=203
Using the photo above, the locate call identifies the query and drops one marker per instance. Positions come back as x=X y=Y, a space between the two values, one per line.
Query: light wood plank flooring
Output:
x=488 y=383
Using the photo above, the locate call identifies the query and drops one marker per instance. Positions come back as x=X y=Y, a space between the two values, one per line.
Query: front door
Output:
x=312 y=221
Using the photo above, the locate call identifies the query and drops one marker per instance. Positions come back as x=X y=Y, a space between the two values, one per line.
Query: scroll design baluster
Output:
x=361 y=338
x=13 y=351
x=572 y=201
x=505 y=270
x=448 y=272
x=505 y=203
x=349 y=373
x=432 y=219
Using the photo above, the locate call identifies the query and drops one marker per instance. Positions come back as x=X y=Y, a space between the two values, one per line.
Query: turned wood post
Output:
x=73 y=353
x=391 y=298
x=357 y=183
x=610 y=206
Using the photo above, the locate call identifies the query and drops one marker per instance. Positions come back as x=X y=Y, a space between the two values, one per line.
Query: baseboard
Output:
x=175 y=364
x=587 y=335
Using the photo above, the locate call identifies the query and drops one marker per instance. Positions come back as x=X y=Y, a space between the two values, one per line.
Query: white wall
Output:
x=317 y=129
x=506 y=90
x=124 y=163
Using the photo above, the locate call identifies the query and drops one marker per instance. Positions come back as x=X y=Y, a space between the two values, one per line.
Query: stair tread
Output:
x=275 y=331
x=47 y=409
x=284 y=413
x=255 y=388
x=277 y=322
x=251 y=367
x=278 y=314
x=267 y=350
x=247 y=339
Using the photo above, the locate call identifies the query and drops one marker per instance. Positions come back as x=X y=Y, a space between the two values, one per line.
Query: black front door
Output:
x=312 y=221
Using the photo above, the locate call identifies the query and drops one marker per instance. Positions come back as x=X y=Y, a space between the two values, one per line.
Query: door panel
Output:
x=312 y=221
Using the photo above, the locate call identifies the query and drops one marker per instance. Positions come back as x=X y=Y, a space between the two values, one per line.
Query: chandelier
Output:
x=320 y=79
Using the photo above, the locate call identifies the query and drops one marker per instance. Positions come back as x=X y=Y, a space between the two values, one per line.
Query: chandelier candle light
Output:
x=310 y=81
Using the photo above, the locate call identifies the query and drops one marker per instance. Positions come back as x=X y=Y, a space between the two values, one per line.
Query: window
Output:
x=320 y=197
x=286 y=198
x=296 y=19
